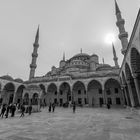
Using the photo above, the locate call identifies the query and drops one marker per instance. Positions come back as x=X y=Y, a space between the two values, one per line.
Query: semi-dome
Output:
x=104 y=67
x=19 y=80
x=7 y=77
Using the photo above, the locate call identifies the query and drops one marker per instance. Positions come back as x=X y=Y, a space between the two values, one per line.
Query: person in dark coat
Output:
x=3 y=110
x=8 y=109
x=74 y=107
x=13 y=109
x=50 y=107
x=53 y=107
x=30 y=109
x=22 y=110
x=108 y=106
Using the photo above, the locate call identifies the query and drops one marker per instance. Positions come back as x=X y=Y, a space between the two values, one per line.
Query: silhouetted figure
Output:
x=30 y=109
x=108 y=105
x=3 y=110
x=50 y=107
x=74 y=107
x=8 y=109
x=13 y=109
x=53 y=107
x=22 y=110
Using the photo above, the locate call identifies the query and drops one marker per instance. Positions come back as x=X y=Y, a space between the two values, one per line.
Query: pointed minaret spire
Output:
x=64 y=56
x=34 y=56
x=115 y=58
x=117 y=7
x=123 y=35
x=103 y=60
x=37 y=36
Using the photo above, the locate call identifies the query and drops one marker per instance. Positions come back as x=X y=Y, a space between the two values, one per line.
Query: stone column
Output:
x=130 y=93
x=125 y=94
x=104 y=96
x=137 y=86
x=14 y=98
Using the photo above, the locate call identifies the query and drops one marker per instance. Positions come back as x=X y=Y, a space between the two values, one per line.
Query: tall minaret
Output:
x=115 y=57
x=34 y=56
x=64 y=56
x=123 y=34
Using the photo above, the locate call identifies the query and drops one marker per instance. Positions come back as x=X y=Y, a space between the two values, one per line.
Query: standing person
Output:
x=74 y=107
x=8 y=109
x=13 y=109
x=30 y=109
x=50 y=107
x=108 y=105
x=22 y=110
x=3 y=110
x=53 y=107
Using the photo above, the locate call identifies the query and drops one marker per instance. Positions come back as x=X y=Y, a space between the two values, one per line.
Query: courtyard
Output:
x=63 y=124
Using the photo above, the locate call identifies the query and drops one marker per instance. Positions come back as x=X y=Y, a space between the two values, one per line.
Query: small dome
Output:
x=94 y=55
x=19 y=80
x=103 y=67
x=7 y=77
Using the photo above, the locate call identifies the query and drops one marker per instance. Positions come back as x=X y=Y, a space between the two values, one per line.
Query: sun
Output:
x=109 y=38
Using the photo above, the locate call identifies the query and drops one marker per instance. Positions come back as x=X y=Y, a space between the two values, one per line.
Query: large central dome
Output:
x=81 y=55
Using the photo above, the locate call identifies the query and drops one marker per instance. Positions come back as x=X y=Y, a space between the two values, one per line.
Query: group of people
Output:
x=51 y=107
x=11 y=109
x=6 y=109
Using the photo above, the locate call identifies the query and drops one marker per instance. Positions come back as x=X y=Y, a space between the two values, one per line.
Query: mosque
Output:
x=82 y=79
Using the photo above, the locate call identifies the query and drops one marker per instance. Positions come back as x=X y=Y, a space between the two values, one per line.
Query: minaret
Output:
x=115 y=56
x=34 y=56
x=64 y=56
x=123 y=34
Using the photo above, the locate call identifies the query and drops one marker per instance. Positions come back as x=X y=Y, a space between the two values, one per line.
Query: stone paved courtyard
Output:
x=85 y=124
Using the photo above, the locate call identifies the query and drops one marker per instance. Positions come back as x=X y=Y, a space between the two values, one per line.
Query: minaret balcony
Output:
x=33 y=65
x=34 y=55
x=36 y=45
x=122 y=35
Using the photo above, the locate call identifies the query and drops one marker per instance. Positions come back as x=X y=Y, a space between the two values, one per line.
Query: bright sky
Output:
x=65 y=26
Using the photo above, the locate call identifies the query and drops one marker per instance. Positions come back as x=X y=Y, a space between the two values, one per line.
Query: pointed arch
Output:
x=64 y=93
x=79 y=93
x=18 y=94
x=112 y=89
x=131 y=84
x=95 y=93
x=135 y=61
x=8 y=93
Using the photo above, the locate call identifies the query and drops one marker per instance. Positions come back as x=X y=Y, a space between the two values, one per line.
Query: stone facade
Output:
x=82 y=78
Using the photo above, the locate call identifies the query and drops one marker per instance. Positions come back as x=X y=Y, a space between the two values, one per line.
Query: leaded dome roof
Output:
x=7 y=77
x=18 y=80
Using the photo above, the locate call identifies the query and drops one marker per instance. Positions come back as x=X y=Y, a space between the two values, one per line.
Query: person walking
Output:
x=22 y=110
x=74 y=107
x=53 y=107
x=30 y=109
x=13 y=109
x=3 y=110
x=50 y=107
x=8 y=109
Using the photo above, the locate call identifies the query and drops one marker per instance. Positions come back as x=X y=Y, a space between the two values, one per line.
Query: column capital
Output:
x=134 y=75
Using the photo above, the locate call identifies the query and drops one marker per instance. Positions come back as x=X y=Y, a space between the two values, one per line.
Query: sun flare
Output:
x=109 y=38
